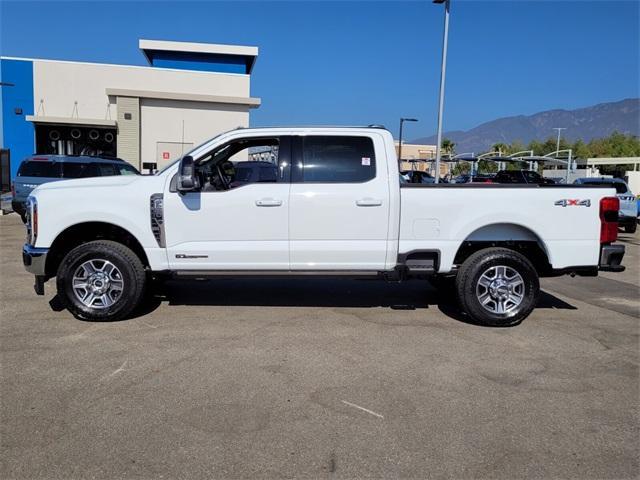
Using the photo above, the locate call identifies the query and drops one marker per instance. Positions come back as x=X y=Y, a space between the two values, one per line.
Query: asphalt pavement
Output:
x=320 y=379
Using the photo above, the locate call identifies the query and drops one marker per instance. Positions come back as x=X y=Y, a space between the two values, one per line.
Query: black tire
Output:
x=467 y=287
x=23 y=217
x=129 y=269
x=630 y=227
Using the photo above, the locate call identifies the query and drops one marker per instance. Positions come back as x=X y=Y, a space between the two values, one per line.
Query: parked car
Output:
x=521 y=176
x=336 y=209
x=476 y=178
x=628 y=214
x=39 y=169
x=417 y=176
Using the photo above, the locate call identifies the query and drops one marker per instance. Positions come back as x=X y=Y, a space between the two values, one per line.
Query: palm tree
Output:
x=501 y=148
x=448 y=146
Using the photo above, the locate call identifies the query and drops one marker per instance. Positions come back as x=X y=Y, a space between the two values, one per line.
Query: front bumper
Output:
x=611 y=258
x=34 y=259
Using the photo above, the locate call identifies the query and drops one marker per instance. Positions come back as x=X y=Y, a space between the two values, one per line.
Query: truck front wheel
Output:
x=100 y=281
x=497 y=287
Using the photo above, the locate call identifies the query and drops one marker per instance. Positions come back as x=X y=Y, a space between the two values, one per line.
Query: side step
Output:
x=420 y=262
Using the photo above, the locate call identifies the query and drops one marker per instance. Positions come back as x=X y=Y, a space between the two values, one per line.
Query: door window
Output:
x=337 y=159
x=243 y=162
x=79 y=170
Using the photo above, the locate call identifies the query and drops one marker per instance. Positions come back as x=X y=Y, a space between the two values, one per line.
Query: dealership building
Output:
x=146 y=115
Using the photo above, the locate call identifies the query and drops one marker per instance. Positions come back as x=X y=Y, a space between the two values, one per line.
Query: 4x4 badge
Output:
x=573 y=202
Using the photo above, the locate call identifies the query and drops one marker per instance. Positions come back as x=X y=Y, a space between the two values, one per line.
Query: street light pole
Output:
x=443 y=71
x=402 y=120
x=559 y=130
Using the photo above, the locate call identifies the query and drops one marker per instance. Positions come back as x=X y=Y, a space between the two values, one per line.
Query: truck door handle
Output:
x=368 y=202
x=268 y=202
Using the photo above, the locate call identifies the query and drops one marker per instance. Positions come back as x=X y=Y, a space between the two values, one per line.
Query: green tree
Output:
x=487 y=166
x=448 y=146
x=503 y=148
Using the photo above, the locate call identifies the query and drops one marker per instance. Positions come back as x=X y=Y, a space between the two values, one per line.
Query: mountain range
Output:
x=583 y=123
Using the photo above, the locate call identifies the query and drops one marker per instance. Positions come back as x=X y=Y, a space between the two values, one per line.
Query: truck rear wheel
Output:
x=497 y=287
x=100 y=281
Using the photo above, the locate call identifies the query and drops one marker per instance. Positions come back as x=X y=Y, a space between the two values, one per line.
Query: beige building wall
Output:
x=128 y=137
x=163 y=120
x=165 y=105
x=86 y=84
x=411 y=151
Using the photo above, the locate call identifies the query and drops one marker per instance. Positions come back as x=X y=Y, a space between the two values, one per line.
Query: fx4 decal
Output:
x=572 y=202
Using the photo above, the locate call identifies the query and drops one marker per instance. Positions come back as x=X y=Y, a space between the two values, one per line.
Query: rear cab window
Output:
x=337 y=159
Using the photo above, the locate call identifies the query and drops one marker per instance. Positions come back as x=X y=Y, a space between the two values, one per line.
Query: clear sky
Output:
x=338 y=62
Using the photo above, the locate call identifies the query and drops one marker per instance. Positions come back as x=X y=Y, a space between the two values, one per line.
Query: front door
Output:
x=238 y=219
x=339 y=212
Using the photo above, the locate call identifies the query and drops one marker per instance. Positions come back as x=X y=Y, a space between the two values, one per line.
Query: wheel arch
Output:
x=79 y=233
x=509 y=235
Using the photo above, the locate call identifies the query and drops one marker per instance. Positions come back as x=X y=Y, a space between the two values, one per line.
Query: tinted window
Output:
x=126 y=169
x=532 y=177
x=107 y=169
x=338 y=159
x=509 y=177
x=40 y=169
x=79 y=170
x=268 y=174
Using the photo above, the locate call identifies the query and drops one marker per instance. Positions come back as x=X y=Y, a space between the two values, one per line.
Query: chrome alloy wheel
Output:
x=97 y=283
x=500 y=289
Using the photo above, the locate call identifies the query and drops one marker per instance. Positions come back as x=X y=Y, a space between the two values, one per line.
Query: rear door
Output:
x=339 y=203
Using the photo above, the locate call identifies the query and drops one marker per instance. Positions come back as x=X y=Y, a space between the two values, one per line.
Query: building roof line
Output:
x=251 y=102
x=206 y=72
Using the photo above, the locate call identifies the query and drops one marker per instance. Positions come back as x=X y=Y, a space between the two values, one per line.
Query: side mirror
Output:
x=187 y=179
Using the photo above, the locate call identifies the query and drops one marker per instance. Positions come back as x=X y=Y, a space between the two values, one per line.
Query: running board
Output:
x=274 y=273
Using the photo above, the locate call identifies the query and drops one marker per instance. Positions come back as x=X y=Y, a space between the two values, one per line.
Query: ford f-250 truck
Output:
x=326 y=201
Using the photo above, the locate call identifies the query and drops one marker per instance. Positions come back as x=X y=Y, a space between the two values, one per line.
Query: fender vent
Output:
x=157 y=218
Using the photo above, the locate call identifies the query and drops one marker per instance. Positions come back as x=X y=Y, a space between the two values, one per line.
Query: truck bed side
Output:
x=442 y=218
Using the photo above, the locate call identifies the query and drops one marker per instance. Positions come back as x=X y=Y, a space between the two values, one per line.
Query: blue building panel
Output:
x=203 y=62
x=18 y=135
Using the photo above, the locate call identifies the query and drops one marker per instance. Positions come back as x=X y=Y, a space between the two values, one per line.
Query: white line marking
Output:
x=119 y=369
x=362 y=408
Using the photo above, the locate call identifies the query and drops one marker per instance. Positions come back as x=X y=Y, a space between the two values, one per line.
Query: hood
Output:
x=92 y=182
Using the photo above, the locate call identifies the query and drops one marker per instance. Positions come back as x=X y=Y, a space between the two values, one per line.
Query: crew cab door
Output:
x=339 y=203
x=243 y=225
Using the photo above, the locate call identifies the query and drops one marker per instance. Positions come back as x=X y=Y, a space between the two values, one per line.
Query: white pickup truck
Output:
x=312 y=201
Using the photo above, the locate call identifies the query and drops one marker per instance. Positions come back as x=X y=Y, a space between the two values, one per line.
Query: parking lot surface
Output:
x=320 y=379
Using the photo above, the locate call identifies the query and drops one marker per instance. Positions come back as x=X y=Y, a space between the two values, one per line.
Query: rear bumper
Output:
x=624 y=220
x=611 y=258
x=34 y=259
x=19 y=207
